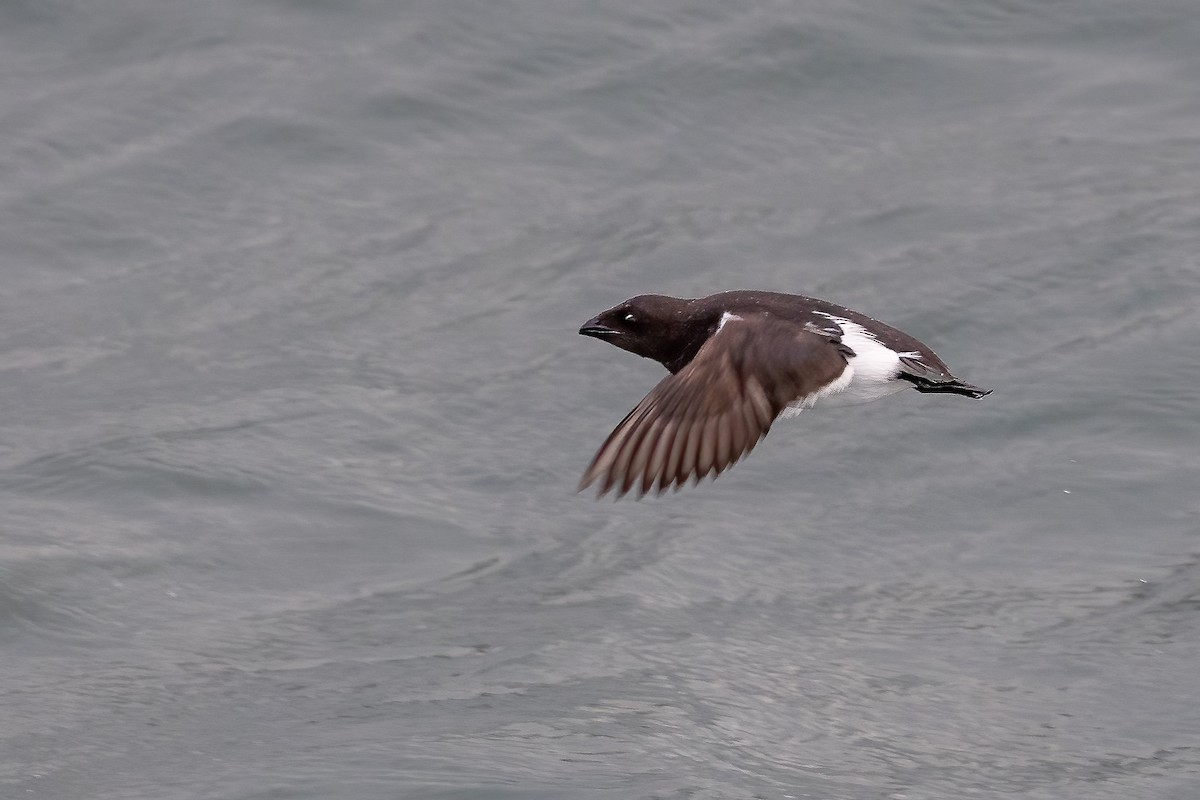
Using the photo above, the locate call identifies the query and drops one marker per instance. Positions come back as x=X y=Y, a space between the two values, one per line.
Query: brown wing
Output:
x=716 y=409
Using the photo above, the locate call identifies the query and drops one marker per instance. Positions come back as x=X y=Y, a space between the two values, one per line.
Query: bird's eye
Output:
x=629 y=318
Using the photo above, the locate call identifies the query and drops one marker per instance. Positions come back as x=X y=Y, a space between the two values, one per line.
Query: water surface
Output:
x=294 y=407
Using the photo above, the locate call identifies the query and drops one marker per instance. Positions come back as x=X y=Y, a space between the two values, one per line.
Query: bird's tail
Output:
x=952 y=387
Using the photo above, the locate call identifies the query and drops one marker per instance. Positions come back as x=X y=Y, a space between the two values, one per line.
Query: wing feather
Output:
x=715 y=410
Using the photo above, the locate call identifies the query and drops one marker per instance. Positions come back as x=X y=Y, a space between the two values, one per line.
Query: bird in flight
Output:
x=739 y=361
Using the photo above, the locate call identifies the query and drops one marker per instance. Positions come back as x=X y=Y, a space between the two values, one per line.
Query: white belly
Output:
x=869 y=375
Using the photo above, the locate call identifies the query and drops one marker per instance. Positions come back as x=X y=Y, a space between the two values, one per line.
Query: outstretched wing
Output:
x=716 y=409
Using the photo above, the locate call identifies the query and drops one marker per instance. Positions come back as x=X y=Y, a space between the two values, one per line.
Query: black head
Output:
x=666 y=329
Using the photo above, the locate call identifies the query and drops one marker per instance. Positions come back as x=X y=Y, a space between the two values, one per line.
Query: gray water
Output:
x=292 y=406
